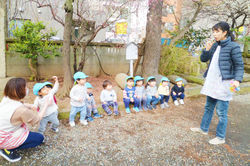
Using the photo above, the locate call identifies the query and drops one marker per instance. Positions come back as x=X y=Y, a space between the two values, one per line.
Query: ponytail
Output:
x=230 y=33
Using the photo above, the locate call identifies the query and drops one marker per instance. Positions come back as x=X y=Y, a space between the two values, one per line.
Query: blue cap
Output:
x=178 y=79
x=38 y=86
x=79 y=75
x=151 y=77
x=164 y=79
x=128 y=77
x=88 y=85
x=138 y=78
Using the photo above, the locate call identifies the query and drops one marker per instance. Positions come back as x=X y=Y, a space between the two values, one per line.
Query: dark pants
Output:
x=33 y=140
x=127 y=102
x=174 y=97
x=112 y=104
x=164 y=99
x=221 y=110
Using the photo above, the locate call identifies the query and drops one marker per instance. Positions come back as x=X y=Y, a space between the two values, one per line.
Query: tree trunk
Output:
x=67 y=82
x=153 y=39
x=83 y=57
x=34 y=73
x=75 y=57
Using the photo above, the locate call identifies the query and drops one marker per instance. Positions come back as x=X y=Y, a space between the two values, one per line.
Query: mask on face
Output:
x=27 y=91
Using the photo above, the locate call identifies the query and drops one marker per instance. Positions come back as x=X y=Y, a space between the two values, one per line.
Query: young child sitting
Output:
x=178 y=92
x=44 y=94
x=140 y=92
x=91 y=105
x=164 y=92
x=129 y=96
x=152 y=93
x=78 y=96
x=108 y=98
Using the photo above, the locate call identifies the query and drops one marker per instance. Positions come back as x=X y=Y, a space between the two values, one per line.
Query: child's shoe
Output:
x=109 y=113
x=162 y=106
x=128 y=111
x=154 y=106
x=136 y=109
x=217 y=141
x=90 y=119
x=56 y=130
x=84 y=122
x=149 y=107
x=145 y=108
x=166 y=105
x=116 y=113
x=176 y=102
x=97 y=115
x=181 y=101
x=198 y=129
x=72 y=124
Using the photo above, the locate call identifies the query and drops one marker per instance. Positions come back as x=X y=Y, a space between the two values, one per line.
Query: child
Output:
x=78 y=96
x=178 y=92
x=164 y=92
x=152 y=93
x=44 y=94
x=129 y=96
x=91 y=105
x=140 y=92
x=108 y=98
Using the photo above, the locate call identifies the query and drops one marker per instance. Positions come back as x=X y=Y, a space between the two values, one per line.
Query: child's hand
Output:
x=174 y=93
x=179 y=93
x=132 y=100
x=55 y=78
x=88 y=98
x=156 y=95
x=104 y=103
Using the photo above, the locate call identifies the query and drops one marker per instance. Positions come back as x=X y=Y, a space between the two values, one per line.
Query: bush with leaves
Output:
x=31 y=42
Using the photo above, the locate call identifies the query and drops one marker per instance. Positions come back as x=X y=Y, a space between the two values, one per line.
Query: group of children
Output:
x=82 y=99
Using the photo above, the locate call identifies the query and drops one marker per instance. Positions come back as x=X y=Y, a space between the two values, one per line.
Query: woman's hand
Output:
x=236 y=84
x=209 y=45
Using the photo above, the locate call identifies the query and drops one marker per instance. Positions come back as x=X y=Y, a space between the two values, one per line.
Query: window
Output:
x=16 y=23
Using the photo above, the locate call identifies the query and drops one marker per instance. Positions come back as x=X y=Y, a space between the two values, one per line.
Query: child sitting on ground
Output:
x=91 y=105
x=43 y=95
x=140 y=92
x=108 y=98
x=129 y=96
x=152 y=93
x=177 y=91
x=164 y=92
x=78 y=96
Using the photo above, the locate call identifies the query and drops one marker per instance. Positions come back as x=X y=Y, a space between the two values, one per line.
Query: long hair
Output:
x=224 y=26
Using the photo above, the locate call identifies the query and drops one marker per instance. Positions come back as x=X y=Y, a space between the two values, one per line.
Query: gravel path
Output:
x=159 y=137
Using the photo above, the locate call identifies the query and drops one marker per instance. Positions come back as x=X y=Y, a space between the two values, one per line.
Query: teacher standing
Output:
x=226 y=67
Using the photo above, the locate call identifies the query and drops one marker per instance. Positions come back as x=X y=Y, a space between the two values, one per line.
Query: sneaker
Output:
x=128 y=111
x=145 y=108
x=72 y=124
x=10 y=156
x=162 y=106
x=181 y=101
x=217 y=141
x=109 y=113
x=149 y=107
x=116 y=113
x=84 y=122
x=197 y=129
x=90 y=119
x=56 y=130
x=154 y=106
x=166 y=105
x=136 y=109
x=176 y=103
x=97 y=115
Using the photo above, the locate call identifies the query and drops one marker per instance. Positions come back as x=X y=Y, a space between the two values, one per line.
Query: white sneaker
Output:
x=84 y=122
x=72 y=124
x=162 y=106
x=197 y=129
x=217 y=141
x=181 y=101
x=176 y=103
x=56 y=130
x=166 y=104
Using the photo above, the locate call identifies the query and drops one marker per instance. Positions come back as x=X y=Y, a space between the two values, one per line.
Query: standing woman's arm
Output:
x=238 y=64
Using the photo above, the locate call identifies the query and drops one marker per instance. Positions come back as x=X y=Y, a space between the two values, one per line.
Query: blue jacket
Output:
x=230 y=59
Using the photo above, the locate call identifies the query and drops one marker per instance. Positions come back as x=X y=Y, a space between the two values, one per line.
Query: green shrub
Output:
x=178 y=60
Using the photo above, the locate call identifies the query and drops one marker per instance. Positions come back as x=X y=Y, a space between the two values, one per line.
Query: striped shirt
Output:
x=11 y=136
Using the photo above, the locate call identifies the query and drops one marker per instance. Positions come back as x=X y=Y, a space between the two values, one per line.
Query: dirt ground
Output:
x=158 y=137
